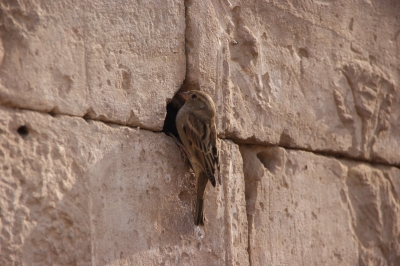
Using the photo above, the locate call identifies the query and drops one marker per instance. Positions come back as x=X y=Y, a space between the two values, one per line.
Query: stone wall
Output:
x=308 y=117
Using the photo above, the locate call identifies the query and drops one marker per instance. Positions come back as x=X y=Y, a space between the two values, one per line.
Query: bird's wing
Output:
x=202 y=139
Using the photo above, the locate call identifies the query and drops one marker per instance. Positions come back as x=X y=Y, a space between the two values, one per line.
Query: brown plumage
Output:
x=195 y=123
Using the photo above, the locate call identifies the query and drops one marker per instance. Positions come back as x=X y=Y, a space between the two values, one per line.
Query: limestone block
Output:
x=318 y=210
x=374 y=205
x=105 y=60
x=142 y=209
x=44 y=194
x=89 y=193
x=303 y=75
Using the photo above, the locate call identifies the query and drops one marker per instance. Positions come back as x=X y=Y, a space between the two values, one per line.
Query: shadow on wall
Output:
x=173 y=107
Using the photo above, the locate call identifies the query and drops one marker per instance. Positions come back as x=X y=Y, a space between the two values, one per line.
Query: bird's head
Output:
x=199 y=102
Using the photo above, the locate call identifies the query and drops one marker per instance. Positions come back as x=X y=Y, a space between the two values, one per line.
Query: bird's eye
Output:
x=194 y=96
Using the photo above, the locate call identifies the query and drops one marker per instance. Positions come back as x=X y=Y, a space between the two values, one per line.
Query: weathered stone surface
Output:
x=107 y=60
x=142 y=209
x=320 y=75
x=319 y=210
x=87 y=193
x=375 y=209
x=44 y=217
x=308 y=75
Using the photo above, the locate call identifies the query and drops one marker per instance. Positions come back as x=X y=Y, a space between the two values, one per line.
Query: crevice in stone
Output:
x=173 y=107
x=327 y=153
x=189 y=83
x=343 y=156
x=86 y=117
x=170 y=127
x=176 y=102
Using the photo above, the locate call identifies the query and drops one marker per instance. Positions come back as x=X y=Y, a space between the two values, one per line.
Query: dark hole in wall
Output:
x=169 y=122
x=172 y=110
x=173 y=107
x=23 y=131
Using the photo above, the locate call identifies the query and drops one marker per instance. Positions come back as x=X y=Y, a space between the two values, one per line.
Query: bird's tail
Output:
x=201 y=186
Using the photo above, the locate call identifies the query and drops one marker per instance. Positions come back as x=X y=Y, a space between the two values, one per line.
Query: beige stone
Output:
x=87 y=193
x=106 y=60
x=316 y=210
x=317 y=80
x=142 y=209
x=44 y=194
x=374 y=204
x=313 y=75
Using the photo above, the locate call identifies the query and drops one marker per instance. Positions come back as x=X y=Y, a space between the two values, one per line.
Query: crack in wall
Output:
x=340 y=156
x=332 y=154
x=336 y=155
x=85 y=117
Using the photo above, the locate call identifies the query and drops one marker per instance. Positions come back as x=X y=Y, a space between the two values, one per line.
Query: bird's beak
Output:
x=184 y=95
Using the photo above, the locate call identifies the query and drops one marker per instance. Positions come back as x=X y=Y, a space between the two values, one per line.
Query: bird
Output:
x=195 y=123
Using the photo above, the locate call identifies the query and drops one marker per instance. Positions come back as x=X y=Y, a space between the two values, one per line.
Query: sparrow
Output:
x=195 y=123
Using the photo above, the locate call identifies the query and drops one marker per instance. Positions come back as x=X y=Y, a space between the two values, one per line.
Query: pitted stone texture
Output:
x=44 y=195
x=87 y=193
x=307 y=75
x=318 y=210
x=112 y=61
